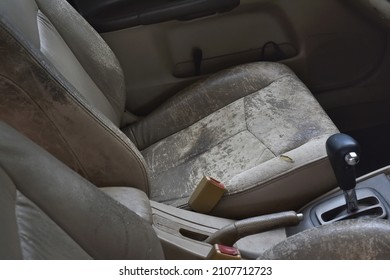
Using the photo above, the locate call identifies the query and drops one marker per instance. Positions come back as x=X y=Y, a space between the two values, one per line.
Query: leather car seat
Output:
x=254 y=127
x=47 y=211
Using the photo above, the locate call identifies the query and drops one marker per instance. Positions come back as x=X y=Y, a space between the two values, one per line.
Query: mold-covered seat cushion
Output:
x=255 y=127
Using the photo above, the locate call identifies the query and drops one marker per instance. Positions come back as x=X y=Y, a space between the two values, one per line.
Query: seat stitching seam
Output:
x=247 y=127
x=265 y=184
x=192 y=157
x=173 y=134
x=249 y=94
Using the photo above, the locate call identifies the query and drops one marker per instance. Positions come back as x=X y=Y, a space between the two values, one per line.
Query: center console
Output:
x=369 y=198
x=373 y=197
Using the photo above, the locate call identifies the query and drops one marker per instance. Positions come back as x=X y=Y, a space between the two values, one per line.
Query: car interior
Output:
x=194 y=129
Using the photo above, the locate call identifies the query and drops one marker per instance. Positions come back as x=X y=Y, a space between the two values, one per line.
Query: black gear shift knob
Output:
x=344 y=153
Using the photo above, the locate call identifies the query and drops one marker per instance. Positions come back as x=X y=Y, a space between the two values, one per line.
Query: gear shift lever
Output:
x=343 y=152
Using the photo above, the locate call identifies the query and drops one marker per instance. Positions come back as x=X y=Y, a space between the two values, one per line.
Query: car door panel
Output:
x=158 y=59
x=325 y=42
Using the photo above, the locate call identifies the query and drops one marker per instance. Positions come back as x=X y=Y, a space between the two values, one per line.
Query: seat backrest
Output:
x=78 y=53
x=62 y=86
x=47 y=211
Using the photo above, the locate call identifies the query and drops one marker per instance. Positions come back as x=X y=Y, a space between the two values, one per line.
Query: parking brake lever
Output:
x=232 y=233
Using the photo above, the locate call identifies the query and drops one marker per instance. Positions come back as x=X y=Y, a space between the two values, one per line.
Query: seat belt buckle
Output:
x=221 y=252
x=206 y=195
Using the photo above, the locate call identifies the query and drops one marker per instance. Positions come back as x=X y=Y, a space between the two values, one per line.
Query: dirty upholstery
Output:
x=62 y=86
x=265 y=112
x=134 y=199
x=71 y=106
x=363 y=239
x=50 y=212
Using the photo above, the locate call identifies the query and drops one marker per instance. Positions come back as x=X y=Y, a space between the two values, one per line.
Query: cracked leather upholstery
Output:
x=62 y=86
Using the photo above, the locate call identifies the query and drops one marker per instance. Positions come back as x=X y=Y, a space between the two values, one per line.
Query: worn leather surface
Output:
x=91 y=51
x=40 y=237
x=54 y=48
x=363 y=239
x=61 y=86
x=50 y=212
x=39 y=101
x=203 y=98
x=133 y=199
x=241 y=143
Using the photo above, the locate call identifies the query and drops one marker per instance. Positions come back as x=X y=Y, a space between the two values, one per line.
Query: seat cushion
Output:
x=271 y=132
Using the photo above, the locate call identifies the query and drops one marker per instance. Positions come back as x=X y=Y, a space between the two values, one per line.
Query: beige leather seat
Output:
x=256 y=127
x=48 y=211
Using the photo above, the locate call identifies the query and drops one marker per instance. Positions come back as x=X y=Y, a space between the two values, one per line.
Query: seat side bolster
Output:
x=101 y=226
x=133 y=199
x=104 y=154
x=91 y=51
